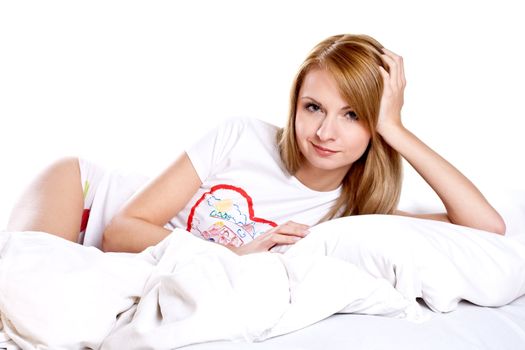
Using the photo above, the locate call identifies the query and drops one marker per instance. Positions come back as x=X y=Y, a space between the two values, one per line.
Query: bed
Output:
x=366 y=282
x=468 y=327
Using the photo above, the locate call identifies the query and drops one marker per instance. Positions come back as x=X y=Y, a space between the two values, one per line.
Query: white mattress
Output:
x=469 y=327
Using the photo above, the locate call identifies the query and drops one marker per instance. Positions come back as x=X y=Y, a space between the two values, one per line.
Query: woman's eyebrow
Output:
x=321 y=105
x=312 y=99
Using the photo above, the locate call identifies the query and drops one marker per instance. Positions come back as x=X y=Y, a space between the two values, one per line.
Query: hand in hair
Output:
x=393 y=92
x=465 y=205
x=287 y=233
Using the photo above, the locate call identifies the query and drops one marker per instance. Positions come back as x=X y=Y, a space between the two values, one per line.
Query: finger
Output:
x=384 y=74
x=402 y=73
x=292 y=231
x=296 y=224
x=289 y=228
x=392 y=65
x=277 y=238
x=387 y=89
x=399 y=64
x=390 y=53
x=397 y=72
x=388 y=59
x=292 y=228
x=401 y=69
x=295 y=233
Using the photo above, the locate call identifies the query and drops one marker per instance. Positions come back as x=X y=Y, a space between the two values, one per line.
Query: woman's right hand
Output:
x=287 y=233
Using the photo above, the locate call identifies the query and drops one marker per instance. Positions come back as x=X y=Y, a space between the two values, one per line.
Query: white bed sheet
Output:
x=468 y=327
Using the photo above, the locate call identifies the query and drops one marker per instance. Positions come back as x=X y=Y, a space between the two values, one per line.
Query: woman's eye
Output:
x=351 y=115
x=312 y=107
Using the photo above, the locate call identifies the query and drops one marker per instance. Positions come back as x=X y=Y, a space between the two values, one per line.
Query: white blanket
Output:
x=56 y=294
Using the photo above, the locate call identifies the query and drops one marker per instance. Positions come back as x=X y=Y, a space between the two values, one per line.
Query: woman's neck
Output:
x=319 y=179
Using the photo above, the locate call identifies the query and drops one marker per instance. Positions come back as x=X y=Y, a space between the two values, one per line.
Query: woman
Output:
x=251 y=186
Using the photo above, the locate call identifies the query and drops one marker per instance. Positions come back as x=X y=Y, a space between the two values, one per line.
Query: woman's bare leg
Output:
x=52 y=203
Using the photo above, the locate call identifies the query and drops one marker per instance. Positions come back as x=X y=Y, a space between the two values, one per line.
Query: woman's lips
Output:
x=323 y=152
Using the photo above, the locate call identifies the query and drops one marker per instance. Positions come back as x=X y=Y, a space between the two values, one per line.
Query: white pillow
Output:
x=440 y=262
x=510 y=204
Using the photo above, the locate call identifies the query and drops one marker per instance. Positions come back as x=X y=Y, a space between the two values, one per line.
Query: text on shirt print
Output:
x=225 y=215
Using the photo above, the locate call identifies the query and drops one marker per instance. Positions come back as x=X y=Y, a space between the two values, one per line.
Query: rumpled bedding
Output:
x=57 y=294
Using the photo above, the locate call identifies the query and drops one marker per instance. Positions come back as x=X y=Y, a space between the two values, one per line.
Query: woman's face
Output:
x=330 y=135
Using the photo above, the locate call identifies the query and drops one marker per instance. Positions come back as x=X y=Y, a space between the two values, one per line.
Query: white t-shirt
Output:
x=245 y=188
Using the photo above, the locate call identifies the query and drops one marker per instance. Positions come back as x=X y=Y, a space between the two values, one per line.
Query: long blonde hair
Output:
x=373 y=183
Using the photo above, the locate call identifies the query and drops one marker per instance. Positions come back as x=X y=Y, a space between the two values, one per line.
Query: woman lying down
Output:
x=250 y=186
x=253 y=187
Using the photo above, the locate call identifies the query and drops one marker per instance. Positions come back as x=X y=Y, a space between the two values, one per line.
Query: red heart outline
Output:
x=232 y=188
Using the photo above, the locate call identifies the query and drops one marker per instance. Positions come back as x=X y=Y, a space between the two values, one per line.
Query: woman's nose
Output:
x=327 y=129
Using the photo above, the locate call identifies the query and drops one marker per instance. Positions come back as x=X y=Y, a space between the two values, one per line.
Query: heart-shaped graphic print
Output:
x=225 y=215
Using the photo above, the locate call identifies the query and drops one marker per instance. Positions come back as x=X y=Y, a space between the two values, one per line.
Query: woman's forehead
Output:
x=320 y=85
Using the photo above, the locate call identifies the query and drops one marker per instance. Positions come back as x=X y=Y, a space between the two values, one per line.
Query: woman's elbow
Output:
x=501 y=228
x=497 y=225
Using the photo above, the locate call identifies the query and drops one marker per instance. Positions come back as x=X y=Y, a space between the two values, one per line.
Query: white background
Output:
x=130 y=84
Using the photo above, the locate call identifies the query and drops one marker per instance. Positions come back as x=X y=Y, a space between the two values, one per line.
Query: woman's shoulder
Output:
x=248 y=126
x=249 y=122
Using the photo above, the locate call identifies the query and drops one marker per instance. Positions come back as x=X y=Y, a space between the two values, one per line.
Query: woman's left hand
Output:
x=393 y=92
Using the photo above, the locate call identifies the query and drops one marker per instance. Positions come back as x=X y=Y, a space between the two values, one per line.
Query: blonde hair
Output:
x=373 y=183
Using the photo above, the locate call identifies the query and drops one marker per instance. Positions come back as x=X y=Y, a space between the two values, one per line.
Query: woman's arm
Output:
x=464 y=203
x=139 y=224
